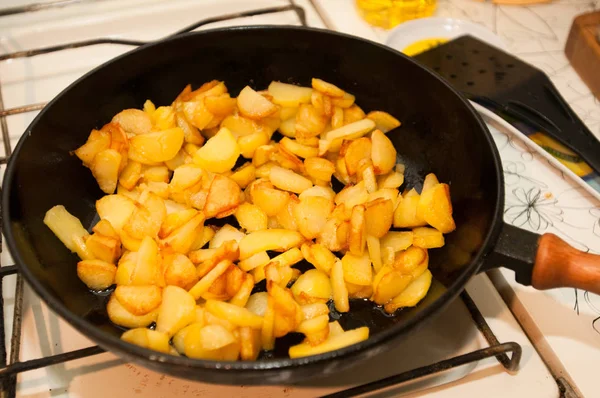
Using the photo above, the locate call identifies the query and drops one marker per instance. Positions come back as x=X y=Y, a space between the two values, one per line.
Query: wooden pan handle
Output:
x=557 y=264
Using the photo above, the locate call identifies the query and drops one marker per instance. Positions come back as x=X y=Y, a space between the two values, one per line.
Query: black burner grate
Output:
x=10 y=366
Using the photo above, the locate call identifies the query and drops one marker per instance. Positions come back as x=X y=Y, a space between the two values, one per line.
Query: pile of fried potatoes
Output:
x=167 y=171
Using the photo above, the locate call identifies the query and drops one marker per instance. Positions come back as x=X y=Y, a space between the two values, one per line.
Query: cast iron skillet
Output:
x=441 y=133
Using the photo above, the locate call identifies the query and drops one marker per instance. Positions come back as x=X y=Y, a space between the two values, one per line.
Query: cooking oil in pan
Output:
x=389 y=13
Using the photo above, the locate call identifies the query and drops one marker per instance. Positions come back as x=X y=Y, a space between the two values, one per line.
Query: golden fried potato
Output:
x=97 y=274
x=313 y=286
x=383 y=153
x=120 y=316
x=158 y=146
x=357 y=269
x=435 y=208
x=327 y=88
x=289 y=95
x=219 y=153
x=133 y=121
x=384 y=121
x=139 y=300
x=333 y=343
x=253 y=105
x=176 y=311
x=311 y=215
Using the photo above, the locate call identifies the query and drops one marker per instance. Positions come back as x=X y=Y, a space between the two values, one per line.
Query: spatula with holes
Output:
x=502 y=82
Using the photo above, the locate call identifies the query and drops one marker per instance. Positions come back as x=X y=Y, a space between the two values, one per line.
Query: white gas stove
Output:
x=568 y=345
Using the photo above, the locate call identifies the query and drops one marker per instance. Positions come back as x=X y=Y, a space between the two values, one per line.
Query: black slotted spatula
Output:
x=495 y=79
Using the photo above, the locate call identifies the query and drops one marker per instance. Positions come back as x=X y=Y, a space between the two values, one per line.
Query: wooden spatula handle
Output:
x=557 y=264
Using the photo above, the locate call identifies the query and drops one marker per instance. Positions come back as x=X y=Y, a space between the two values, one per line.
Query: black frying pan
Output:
x=441 y=133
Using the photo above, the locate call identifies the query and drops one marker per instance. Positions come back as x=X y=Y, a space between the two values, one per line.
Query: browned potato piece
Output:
x=186 y=176
x=96 y=274
x=174 y=221
x=338 y=287
x=357 y=269
x=435 y=207
x=358 y=231
x=427 y=238
x=379 y=215
x=182 y=239
x=104 y=248
x=219 y=153
x=223 y=197
x=311 y=215
x=300 y=150
x=156 y=173
x=412 y=294
x=147 y=338
x=251 y=217
x=353 y=114
x=120 y=316
x=319 y=168
x=333 y=343
x=352 y=195
x=158 y=146
x=179 y=271
x=383 y=153
x=391 y=284
x=239 y=316
x=327 y=88
x=133 y=121
x=309 y=121
x=253 y=105
x=289 y=95
x=139 y=300
x=105 y=168
x=103 y=227
x=405 y=215
x=244 y=175
x=250 y=143
x=397 y=240
x=313 y=286
x=163 y=118
x=344 y=102
x=384 y=121
x=319 y=256
x=270 y=200
x=176 y=311
x=287 y=180
x=250 y=344
x=374 y=248
x=97 y=141
x=130 y=174
x=357 y=152
x=269 y=239
x=411 y=259
x=220 y=105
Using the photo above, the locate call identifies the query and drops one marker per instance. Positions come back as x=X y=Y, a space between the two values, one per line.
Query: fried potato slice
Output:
x=253 y=105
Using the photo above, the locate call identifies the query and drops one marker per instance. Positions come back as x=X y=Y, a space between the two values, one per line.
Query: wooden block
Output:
x=583 y=49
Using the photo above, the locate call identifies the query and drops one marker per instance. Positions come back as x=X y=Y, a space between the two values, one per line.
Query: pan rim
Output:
x=143 y=355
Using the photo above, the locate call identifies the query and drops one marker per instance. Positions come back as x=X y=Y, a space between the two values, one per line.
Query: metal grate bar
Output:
x=508 y=363
x=8 y=270
x=40 y=6
x=14 y=369
x=271 y=10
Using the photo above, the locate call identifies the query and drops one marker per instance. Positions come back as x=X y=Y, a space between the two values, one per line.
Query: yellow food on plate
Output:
x=183 y=282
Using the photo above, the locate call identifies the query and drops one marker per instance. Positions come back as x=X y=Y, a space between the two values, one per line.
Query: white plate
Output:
x=416 y=30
